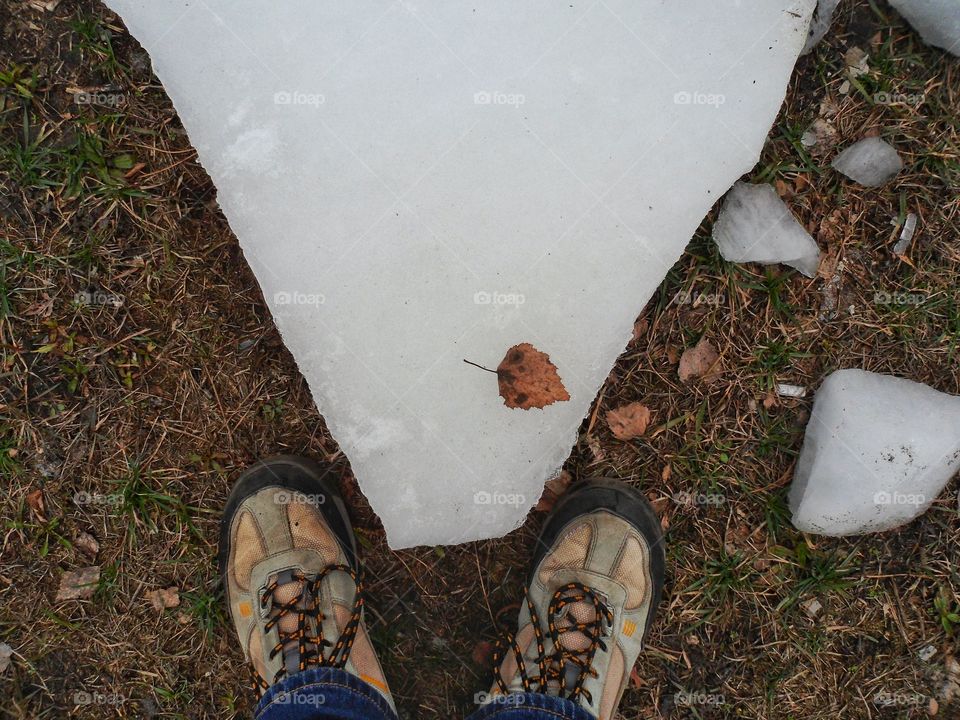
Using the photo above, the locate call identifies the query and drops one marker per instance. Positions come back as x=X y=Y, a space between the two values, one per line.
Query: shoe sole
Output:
x=290 y=472
x=617 y=498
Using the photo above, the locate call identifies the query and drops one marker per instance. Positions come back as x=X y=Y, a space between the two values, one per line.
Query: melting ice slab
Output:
x=877 y=452
x=416 y=183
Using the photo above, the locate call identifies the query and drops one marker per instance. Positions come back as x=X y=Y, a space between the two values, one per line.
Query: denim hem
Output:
x=307 y=688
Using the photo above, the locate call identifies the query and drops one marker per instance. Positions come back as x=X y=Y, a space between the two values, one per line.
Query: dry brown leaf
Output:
x=87 y=544
x=553 y=490
x=79 y=584
x=528 y=379
x=482 y=654
x=37 y=505
x=661 y=506
x=596 y=449
x=640 y=328
x=42 y=309
x=701 y=360
x=163 y=598
x=629 y=421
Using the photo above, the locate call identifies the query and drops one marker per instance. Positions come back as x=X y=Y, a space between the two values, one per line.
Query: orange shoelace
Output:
x=551 y=676
x=309 y=648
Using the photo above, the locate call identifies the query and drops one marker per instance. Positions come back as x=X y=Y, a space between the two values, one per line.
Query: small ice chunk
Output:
x=791 y=391
x=820 y=23
x=877 y=452
x=937 y=21
x=870 y=162
x=906 y=235
x=755 y=226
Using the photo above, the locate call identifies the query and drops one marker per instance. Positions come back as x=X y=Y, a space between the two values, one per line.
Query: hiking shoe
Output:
x=591 y=596
x=288 y=561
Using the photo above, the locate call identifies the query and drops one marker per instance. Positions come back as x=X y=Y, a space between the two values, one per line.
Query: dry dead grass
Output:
x=164 y=399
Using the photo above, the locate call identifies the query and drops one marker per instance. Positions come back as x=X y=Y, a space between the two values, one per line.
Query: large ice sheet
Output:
x=415 y=183
x=877 y=452
x=937 y=21
x=820 y=24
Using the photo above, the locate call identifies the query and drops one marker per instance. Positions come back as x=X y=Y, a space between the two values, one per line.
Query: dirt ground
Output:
x=141 y=372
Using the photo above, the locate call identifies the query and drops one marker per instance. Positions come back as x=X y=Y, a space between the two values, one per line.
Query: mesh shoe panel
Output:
x=633 y=572
x=363 y=657
x=570 y=552
x=248 y=549
x=308 y=530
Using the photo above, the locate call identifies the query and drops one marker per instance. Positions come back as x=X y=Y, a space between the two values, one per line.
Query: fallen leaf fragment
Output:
x=629 y=421
x=87 y=544
x=79 y=584
x=699 y=361
x=163 y=598
x=596 y=449
x=553 y=489
x=528 y=379
x=6 y=652
x=482 y=653
x=37 y=505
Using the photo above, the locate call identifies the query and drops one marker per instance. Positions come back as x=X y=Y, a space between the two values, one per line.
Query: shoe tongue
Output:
x=288 y=588
x=579 y=612
x=286 y=592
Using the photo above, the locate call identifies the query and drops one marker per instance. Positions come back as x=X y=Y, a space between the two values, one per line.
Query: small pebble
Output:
x=812 y=607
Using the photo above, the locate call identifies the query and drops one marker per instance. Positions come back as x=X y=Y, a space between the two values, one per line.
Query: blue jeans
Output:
x=330 y=694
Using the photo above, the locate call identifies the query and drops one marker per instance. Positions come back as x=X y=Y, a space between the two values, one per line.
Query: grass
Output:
x=145 y=506
x=156 y=403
